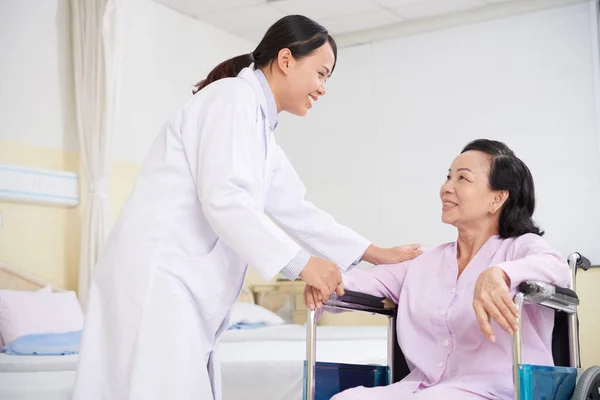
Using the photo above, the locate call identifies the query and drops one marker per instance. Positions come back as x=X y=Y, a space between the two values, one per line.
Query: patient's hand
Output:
x=492 y=300
x=312 y=298
x=393 y=255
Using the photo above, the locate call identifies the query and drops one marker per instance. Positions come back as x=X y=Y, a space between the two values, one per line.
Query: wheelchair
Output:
x=565 y=380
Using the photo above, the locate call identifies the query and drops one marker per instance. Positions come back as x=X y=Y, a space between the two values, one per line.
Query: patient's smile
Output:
x=447 y=205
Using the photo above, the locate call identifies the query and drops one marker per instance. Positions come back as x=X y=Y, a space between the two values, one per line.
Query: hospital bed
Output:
x=565 y=380
x=33 y=377
x=256 y=364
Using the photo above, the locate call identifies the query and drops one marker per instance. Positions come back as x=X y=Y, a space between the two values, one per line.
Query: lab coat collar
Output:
x=264 y=94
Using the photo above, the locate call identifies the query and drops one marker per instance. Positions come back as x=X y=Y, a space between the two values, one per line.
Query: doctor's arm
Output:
x=317 y=230
x=224 y=150
x=381 y=281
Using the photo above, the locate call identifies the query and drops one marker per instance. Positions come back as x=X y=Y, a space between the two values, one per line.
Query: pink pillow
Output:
x=47 y=289
x=25 y=313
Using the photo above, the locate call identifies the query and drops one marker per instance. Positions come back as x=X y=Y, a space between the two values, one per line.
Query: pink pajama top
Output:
x=437 y=328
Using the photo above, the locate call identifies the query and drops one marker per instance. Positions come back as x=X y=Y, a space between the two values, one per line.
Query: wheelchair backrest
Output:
x=561 y=345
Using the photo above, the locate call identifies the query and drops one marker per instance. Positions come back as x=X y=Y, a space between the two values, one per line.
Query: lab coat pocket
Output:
x=202 y=279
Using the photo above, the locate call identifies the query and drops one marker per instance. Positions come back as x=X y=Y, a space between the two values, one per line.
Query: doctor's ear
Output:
x=285 y=59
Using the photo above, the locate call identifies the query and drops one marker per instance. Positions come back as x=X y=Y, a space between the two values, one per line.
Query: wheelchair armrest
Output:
x=546 y=294
x=356 y=301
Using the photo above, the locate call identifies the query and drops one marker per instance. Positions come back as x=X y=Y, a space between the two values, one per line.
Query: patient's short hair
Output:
x=508 y=172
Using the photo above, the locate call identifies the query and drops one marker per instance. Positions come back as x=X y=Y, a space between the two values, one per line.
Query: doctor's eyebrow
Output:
x=461 y=169
x=327 y=70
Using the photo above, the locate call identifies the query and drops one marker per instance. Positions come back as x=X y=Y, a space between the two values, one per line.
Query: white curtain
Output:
x=96 y=37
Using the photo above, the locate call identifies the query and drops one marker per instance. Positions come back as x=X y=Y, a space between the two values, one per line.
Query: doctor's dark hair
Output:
x=508 y=172
x=299 y=34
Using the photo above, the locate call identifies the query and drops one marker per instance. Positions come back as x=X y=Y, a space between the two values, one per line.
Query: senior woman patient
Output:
x=455 y=309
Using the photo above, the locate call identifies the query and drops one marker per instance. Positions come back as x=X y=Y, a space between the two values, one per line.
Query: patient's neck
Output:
x=469 y=242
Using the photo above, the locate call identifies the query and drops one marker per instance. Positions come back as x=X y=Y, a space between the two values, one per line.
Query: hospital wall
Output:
x=376 y=149
x=164 y=54
x=38 y=129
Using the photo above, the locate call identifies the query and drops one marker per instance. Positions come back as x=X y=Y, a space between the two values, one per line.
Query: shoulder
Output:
x=226 y=93
x=228 y=99
x=527 y=244
x=528 y=240
x=439 y=249
x=434 y=254
x=233 y=88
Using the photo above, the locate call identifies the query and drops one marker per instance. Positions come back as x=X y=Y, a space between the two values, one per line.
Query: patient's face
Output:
x=466 y=196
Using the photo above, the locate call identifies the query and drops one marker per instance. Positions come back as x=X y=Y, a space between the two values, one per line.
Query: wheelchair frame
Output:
x=557 y=299
x=389 y=310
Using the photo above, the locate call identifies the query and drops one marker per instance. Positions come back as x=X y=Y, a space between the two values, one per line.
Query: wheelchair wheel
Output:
x=588 y=385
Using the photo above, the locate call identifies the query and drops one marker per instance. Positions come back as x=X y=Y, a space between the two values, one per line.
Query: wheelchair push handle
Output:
x=583 y=262
x=577 y=260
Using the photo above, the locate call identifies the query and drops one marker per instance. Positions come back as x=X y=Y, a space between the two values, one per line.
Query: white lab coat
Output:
x=176 y=259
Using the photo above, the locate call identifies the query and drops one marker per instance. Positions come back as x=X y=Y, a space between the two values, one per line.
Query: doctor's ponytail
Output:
x=227 y=69
x=299 y=34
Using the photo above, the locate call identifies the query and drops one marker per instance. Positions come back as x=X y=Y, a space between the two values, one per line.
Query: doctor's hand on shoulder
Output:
x=324 y=277
x=391 y=255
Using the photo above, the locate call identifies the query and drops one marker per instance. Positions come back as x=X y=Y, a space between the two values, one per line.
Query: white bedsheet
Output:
x=257 y=364
x=9 y=363
x=298 y=333
x=53 y=385
x=268 y=363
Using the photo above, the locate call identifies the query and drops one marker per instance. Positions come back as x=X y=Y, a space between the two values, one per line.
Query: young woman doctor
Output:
x=175 y=261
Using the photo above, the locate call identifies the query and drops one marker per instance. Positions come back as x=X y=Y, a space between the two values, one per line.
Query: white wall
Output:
x=165 y=53
x=396 y=114
x=36 y=90
x=376 y=149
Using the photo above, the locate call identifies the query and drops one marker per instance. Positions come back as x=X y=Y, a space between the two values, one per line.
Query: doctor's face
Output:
x=306 y=79
x=466 y=195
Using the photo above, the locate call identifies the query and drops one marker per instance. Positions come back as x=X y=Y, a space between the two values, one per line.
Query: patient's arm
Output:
x=530 y=258
x=382 y=280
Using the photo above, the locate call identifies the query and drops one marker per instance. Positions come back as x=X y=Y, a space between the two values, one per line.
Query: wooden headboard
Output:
x=14 y=278
x=246 y=296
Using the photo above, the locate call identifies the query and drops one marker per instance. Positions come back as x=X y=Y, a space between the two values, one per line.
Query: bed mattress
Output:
x=10 y=363
x=52 y=385
x=256 y=364
x=268 y=363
